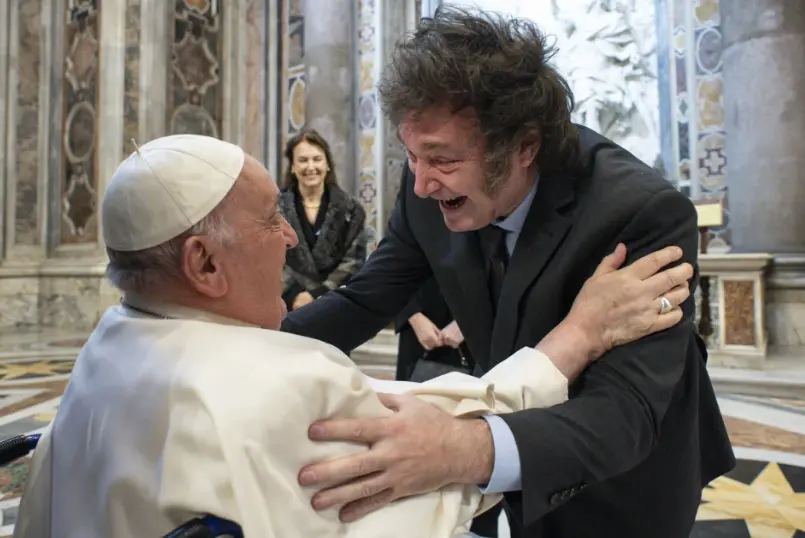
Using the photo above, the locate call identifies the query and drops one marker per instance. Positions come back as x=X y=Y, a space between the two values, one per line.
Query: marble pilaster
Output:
x=233 y=54
x=131 y=82
x=274 y=90
x=399 y=19
x=254 y=58
x=764 y=82
x=156 y=18
x=329 y=38
x=111 y=118
x=5 y=108
x=25 y=172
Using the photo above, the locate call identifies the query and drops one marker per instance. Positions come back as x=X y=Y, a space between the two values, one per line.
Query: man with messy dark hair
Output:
x=511 y=206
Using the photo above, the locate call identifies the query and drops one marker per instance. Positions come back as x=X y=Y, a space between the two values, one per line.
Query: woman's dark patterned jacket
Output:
x=340 y=249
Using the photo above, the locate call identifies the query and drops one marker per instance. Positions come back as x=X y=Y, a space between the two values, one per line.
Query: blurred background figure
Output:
x=328 y=222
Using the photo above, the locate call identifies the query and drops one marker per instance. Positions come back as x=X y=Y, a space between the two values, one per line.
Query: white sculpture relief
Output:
x=607 y=51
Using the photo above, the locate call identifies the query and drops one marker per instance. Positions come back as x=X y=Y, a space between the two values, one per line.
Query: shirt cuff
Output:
x=506 y=472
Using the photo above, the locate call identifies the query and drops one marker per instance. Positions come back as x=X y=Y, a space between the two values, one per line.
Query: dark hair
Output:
x=311 y=136
x=497 y=66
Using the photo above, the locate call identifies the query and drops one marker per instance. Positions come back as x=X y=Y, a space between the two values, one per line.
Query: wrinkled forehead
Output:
x=256 y=184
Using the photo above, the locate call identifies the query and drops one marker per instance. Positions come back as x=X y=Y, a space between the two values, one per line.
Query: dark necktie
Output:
x=493 y=245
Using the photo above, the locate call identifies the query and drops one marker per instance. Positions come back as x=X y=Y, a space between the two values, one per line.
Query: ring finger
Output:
x=670 y=278
x=676 y=297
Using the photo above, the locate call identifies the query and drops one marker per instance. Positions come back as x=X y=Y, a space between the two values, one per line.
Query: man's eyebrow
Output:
x=427 y=146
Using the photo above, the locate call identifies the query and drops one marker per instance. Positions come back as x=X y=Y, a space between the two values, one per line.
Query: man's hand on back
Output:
x=417 y=450
x=421 y=448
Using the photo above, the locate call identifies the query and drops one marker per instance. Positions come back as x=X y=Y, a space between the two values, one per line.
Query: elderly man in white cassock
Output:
x=187 y=400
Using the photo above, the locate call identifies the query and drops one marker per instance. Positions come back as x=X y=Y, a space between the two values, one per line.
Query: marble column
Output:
x=254 y=61
x=111 y=80
x=26 y=40
x=764 y=51
x=329 y=48
x=5 y=107
x=156 y=19
x=399 y=19
x=764 y=42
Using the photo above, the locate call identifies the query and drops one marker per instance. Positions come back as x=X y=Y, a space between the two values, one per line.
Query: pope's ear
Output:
x=201 y=266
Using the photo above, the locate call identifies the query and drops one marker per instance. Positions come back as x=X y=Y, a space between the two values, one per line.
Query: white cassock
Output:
x=166 y=419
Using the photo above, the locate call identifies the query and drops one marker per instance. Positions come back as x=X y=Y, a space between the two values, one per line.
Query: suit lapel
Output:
x=543 y=231
x=467 y=264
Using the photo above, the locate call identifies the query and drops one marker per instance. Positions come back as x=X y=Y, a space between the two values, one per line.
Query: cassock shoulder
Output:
x=252 y=381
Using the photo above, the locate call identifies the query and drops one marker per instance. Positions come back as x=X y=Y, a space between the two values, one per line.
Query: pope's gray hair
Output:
x=150 y=269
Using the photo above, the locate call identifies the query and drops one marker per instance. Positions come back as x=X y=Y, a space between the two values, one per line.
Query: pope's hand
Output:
x=417 y=450
x=616 y=306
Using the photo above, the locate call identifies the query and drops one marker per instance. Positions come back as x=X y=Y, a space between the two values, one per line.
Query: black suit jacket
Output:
x=628 y=454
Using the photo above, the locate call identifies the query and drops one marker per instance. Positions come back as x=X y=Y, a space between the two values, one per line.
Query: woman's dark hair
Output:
x=311 y=136
x=498 y=66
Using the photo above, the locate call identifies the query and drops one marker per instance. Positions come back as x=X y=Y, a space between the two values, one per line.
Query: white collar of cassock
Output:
x=145 y=306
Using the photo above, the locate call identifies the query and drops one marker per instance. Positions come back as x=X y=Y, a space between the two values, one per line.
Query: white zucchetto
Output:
x=165 y=188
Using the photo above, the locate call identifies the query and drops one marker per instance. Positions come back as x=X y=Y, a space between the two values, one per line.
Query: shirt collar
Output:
x=153 y=307
x=515 y=220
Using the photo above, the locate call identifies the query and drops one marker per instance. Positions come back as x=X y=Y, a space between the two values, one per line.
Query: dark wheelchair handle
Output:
x=207 y=527
x=16 y=447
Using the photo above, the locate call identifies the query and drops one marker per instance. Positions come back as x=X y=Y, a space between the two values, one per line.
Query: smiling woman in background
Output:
x=328 y=222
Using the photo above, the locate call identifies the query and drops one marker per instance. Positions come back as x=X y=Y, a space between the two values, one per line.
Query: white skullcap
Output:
x=165 y=188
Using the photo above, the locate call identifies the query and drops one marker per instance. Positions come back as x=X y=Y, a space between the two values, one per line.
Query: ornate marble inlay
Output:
x=767 y=497
x=294 y=75
x=696 y=107
x=739 y=312
x=79 y=128
x=24 y=115
x=196 y=95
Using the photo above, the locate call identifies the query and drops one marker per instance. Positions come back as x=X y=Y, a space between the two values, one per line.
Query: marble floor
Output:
x=764 y=497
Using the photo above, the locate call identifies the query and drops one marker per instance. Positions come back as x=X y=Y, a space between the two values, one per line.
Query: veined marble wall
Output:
x=24 y=196
x=131 y=82
x=79 y=79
